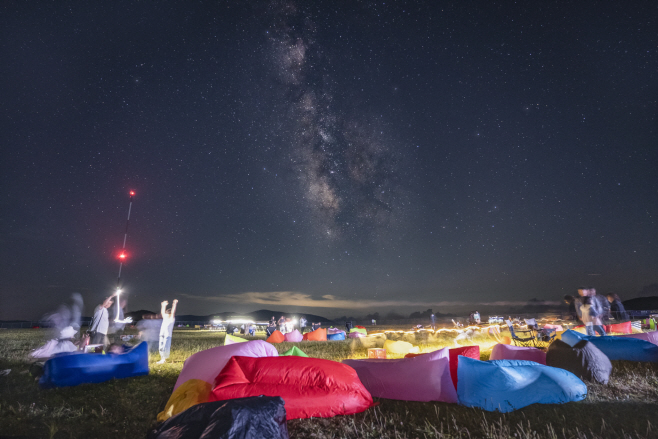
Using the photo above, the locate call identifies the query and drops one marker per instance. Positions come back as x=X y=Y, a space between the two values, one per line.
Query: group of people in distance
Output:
x=594 y=310
x=101 y=324
x=286 y=325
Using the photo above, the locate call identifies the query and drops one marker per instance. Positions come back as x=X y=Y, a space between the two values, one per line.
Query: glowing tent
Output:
x=422 y=378
x=310 y=387
x=400 y=347
x=508 y=385
x=205 y=365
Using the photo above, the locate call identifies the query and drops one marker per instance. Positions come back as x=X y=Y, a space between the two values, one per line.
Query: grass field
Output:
x=626 y=408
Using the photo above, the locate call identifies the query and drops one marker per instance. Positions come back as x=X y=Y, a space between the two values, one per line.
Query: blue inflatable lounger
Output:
x=508 y=385
x=617 y=348
x=71 y=369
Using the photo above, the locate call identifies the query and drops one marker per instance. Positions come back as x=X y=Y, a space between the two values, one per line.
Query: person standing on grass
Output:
x=617 y=308
x=117 y=322
x=591 y=315
x=167 y=329
x=100 y=323
x=302 y=324
x=572 y=313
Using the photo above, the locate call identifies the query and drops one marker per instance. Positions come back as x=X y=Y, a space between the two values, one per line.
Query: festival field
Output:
x=626 y=408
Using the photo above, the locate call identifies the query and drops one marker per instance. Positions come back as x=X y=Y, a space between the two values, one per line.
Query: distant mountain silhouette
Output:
x=641 y=303
x=262 y=315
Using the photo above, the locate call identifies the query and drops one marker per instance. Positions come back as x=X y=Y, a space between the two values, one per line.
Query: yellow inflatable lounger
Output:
x=191 y=392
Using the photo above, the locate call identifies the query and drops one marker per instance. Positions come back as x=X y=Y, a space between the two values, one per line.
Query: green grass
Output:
x=626 y=408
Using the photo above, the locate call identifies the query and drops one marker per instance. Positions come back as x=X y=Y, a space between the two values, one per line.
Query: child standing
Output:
x=591 y=318
x=167 y=329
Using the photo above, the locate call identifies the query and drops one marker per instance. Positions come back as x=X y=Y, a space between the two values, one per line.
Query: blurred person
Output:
x=100 y=323
x=302 y=324
x=117 y=322
x=572 y=313
x=282 y=324
x=167 y=329
x=149 y=330
x=591 y=315
x=604 y=305
x=617 y=309
x=271 y=327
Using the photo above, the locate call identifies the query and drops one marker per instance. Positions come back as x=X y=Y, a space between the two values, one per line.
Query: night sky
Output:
x=330 y=157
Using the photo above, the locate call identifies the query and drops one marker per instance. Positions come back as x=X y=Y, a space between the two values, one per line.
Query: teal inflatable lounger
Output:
x=71 y=369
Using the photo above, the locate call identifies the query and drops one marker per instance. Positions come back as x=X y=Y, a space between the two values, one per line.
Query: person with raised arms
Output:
x=167 y=329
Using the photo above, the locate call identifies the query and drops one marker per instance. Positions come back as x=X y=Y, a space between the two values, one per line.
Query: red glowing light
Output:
x=123 y=256
x=132 y=193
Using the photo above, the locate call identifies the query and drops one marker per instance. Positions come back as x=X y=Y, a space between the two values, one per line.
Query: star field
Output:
x=316 y=152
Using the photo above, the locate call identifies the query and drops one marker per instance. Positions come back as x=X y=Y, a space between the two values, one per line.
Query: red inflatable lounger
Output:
x=619 y=328
x=310 y=387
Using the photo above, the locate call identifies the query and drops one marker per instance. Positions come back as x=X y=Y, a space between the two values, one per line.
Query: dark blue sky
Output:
x=354 y=155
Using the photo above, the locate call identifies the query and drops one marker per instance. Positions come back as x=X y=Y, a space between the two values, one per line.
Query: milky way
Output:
x=347 y=168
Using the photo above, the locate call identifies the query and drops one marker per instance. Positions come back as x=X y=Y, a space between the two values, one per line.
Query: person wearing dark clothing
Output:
x=617 y=308
x=591 y=310
x=572 y=314
x=603 y=304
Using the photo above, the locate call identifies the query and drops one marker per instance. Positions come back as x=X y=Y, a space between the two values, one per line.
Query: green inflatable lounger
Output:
x=72 y=368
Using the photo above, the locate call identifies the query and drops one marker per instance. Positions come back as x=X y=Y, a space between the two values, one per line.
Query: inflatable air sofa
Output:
x=71 y=369
x=421 y=378
x=310 y=387
x=508 y=385
x=617 y=348
x=205 y=365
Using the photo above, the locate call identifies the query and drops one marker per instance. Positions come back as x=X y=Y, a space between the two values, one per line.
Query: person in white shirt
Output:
x=100 y=323
x=167 y=329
